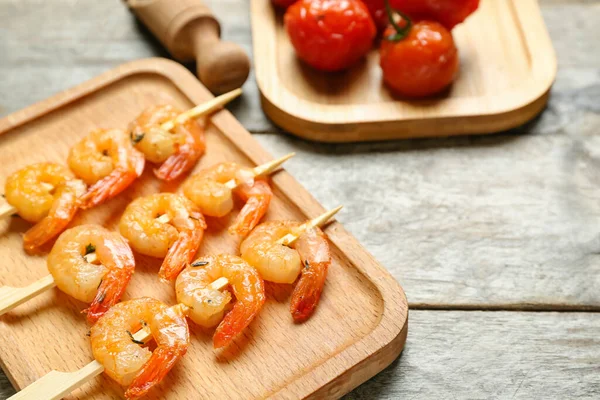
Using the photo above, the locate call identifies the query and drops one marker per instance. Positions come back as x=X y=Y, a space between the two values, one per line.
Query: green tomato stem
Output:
x=401 y=32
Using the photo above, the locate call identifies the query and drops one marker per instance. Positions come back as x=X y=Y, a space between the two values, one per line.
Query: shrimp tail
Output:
x=258 y=200
x=111 y=289
x=181 y=253
x=307 y=292
x=316 y=258
x=44 y=231
x=182 y=160
x=54 y=223
x=174 y=167
x=108 y=187
x=155 y=369
x=237 y=320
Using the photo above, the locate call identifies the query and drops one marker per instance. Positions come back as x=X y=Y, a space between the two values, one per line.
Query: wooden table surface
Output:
x=495 y=239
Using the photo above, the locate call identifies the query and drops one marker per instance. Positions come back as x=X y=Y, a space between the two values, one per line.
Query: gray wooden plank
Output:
x=6 y=389
x=502 y=221
x=493 y=355
x=74 y=41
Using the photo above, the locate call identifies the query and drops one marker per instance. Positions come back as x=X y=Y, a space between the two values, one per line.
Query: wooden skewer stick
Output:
x=7 y=210
x=56 y=385
x=11 y=297
x=263 y=169
x=144 y=334
x=202 y=109
x=164 y=218
x=318 y=221
x=91 y=257
x=47 y=186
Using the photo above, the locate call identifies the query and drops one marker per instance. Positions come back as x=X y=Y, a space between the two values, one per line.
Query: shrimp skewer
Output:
x=198 y=289
x=206 y=303
x=88 y=263
x=211 y=190
x=46 y=194
x=202 y=109
x=117 y=351
x=172 y=138
x=107 y=161
x=164 y=225
x=177 y=151
x=123 y=359
x=282 y=250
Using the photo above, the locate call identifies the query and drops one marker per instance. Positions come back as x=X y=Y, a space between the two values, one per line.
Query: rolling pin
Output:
x=189 y=31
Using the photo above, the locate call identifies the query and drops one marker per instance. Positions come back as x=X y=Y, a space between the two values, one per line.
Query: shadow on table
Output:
x=405 y=145
x=6 y=388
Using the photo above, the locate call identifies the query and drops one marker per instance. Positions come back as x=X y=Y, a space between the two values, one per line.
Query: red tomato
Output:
x=378 y=13
x=283 y=3
x=330 y=35
x=447 y=12
x=422 y=63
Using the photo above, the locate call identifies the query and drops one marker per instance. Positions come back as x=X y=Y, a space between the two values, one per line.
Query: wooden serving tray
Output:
x=360 y=325
x=507 y=67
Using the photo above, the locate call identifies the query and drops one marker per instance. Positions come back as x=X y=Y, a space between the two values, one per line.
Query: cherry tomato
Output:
x=283 y=3
x=378 y=13
x=422 y=63
x=447 y=12
x=330 y=35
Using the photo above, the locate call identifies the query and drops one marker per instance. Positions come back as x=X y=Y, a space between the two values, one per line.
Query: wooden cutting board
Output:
x=360 y=325
x=507 y=67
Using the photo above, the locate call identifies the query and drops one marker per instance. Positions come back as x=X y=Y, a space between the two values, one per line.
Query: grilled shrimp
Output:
x=177 y=151
x=309 y=256
x=207 y=305
x=164 y=225
x=123 y=358
x=208 y=191
x=102 y=284
x=45 y=194
x=106 y=160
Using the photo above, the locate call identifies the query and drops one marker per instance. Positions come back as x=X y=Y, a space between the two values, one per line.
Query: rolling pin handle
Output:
x=189 y=30
x=221 y=66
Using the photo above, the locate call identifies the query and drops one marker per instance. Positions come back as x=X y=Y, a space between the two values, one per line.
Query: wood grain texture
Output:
x=493 y=355
x=488 y=355
x=497 y=222
x=359 y=327
x=507 y=67
x=75 y=40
